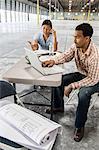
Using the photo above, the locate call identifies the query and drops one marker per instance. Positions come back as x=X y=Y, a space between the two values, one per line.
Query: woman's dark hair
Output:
x=86 y=28
x=47 y=22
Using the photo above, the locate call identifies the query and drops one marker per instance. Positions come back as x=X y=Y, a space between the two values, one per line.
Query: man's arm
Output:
x=66 y=56
x=92 y=77
x=63 y=57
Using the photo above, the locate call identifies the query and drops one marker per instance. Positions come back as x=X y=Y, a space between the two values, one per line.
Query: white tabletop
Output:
x=24 y=73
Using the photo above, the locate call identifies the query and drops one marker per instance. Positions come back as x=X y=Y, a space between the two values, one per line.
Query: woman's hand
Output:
x=54 y=39
x=53 y=32
x=34 y=45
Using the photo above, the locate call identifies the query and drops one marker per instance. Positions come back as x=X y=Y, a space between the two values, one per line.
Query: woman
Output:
x=45 y=39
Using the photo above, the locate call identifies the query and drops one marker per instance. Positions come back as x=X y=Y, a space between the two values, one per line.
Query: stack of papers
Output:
x=44 y=54
x=27 y=128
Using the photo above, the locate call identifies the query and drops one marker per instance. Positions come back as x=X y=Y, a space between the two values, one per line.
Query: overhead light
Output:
x=83 y=14
x=44 y=1
x=76 y=14
x=93 y=10
x=70 y=5
x=92 y=0
x=61 y=13
x=87 y=4
x=68 y=14
x=52 y=6
x=81 y=10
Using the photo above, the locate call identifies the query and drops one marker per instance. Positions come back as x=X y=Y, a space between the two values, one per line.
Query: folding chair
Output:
x=94 y=98
x=6 y=89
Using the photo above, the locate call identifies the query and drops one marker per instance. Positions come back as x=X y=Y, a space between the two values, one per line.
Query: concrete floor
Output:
x=13 y=38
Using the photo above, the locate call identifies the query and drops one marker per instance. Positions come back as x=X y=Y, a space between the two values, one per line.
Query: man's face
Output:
x=79 y=39
x=46 y=29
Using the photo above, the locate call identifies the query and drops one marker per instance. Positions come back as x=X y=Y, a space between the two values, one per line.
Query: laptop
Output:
x=37 y=64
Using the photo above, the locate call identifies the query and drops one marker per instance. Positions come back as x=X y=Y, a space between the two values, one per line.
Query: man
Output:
x=86 y=56
x=45 y=38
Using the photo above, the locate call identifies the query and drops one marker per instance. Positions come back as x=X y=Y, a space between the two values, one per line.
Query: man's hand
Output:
x=48 y=63
x=68 y=90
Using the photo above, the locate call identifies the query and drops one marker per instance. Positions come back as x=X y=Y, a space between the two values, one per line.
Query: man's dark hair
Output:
x=47 y=22
x=86 y=28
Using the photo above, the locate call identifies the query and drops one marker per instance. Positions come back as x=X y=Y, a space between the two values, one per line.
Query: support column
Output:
x=89 y=11
x=8 y=11
x=17 y=11
x=24 y=13
x=21 y=15
x=3 y=11
x=38 y=12
x=49 y=9
x=55 y=10
x=13 y=12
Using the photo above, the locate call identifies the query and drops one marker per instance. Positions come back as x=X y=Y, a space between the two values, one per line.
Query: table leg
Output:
x=52 y=99
x=15 y=99
x=52 y=103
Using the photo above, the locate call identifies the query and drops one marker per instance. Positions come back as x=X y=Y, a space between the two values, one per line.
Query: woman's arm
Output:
x=55 y=43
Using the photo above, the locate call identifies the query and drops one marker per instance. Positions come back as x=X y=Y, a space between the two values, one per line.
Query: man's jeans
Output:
x=84 y=97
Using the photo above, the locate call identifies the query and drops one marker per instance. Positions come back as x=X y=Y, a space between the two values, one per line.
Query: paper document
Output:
x=38 y=52
x=27 y=127
x=41 y=52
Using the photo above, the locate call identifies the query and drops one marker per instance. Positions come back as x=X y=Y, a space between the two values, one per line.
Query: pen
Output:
x=47 y=54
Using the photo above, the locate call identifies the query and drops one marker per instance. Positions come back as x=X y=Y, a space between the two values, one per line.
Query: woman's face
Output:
x=46 y=29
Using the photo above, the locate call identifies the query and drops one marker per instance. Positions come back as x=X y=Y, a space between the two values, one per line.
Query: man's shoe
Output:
x=78 y=134
x=55 y=110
